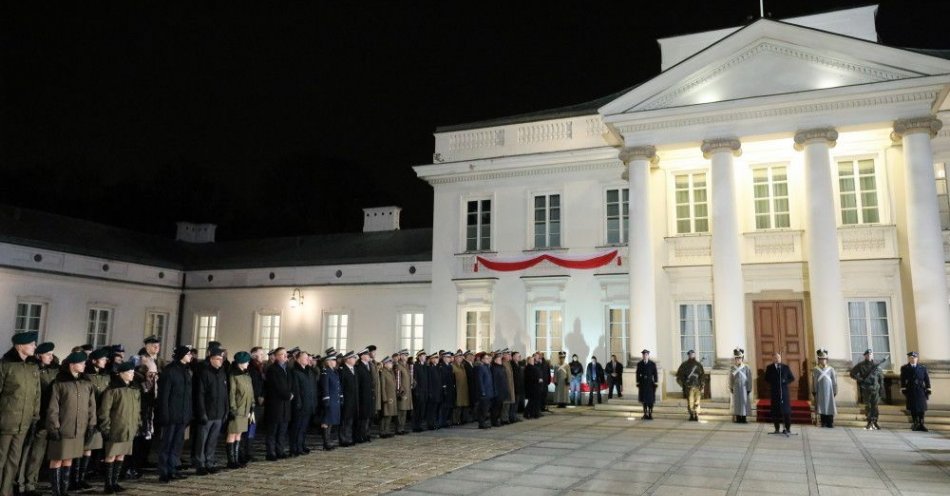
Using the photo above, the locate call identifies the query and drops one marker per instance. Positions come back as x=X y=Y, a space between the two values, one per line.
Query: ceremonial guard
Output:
x=824 y=387
x=434 y=388
x=278 y=395
x=403 y=393
x=255 y=370
x=462 y=404
x=779 y=376
x=915 y=385
x=595 y=380
x=647 y=380
x=34 y=458
x=517 y=377
x=486 y=390
x=240 y=407
x=420 y=391
x=691 y=377
x=332 y=400
x=740 y=387
x=387 y=393
x=304 y=404
x=448 y=389
x=562 y=381
x=349 y=385
x=366 y=407
x=173 y=412
x=870 y=380
x=577 y=378
x=614 y=371
x=71 y=419
x=19 y=405
x=119 y=415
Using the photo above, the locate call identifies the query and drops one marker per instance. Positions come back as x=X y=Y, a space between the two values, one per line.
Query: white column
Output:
x=821 y=242
x=728 y=291
x=924 y=239
x=640 y=255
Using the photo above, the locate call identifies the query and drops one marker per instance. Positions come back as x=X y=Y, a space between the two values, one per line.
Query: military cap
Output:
x=448 y=354
x=44 y=348
x=242 y=357
x=180 y=352
x=363 y=352
x=295 y=349
x=506 y=351
x=645 y=352
x=333 y=356
x=152 y=339
x=403 y=352
x=371 y=347
x=738 y=353
x=420 y=352
x=468 y=352
x=868 y=351
x=117 y=348
x=349 y=354
x=271 y=352
x=913 y=354
x=691 y=352
x=215 y=352
x=100 y=353
x=75 y=357
x=562 y=354
x=330 y=351
x=821 y=353
x=124 y=367
x=388 y=359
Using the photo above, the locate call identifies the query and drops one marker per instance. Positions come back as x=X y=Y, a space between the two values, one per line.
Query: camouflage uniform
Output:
x=870 y=379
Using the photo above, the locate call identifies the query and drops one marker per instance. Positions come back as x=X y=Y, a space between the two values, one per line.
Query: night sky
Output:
x=274 y=119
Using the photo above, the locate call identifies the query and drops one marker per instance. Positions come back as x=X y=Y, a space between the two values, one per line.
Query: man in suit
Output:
x=278 y=395
x=779 y=376
x=915 y=385
x=420 y=391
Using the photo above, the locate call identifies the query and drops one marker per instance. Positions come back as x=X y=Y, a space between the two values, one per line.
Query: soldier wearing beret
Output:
x=647 y=380
x=19 y=405
x=240 y=407
x=915 y=385
x=34 y=458
x=824 y=387
x=119 y=414
x=98 y=374
x=870 y=379
x=71 y=419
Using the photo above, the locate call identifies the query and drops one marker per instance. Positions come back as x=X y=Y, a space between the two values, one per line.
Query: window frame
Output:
x=880 y=189
x=480 y=343
x=464 y=223
x=44 y=310
x=409 y=343
x=549 y=350
x=858 y=355
x=260 y=317
x=695 y=346
x=197 y=343
x=771 y=196
x=624 y=231
x=942 y=175
x=672 y=203
x=99 y=308
x=150 y=331
x=532 y=238
x=337 y=342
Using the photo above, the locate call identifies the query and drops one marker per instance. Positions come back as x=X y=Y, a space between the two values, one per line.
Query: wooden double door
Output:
x=780 y=326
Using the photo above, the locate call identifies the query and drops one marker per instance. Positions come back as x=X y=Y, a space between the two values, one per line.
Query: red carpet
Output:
x=801 y=411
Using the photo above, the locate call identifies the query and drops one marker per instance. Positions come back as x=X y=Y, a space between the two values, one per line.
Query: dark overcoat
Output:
x=778 y=378
x=351 y=393
x=332 y=396
x=367 y=392
x=647 y=379
x=277 y=394
x=174 y=395
x=915 y=384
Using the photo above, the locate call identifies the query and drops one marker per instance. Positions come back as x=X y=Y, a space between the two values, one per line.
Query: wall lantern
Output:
x=296 y=298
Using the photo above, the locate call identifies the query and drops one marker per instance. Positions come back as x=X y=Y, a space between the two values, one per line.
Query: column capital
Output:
x=927 y=124
x=631 y=153
x=711 y=146
x=805 y=136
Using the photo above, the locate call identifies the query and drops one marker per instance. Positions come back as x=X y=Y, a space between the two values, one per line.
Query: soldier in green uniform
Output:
x=119 y=415
x=690 y=377
x=71 y=419
x=97 y=373
x=870 y=379
x=19 y=405
x=30 y=470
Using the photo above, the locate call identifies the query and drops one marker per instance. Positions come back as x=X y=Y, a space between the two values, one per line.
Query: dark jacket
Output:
x=614 y=368
x=915 y=384
x=472 y=382
x=278 y=392
x=448 y=383
x=500 y=381
x=577 y=368
x=517 y=373
x=212 y=393
x=595 y=373
x=174 y=395
x=778 y=379
x=434 y=387
x=305 y=391
x=367 y=391
x=255 y=369
x=532 y=382
x=351 y=393
x=332 y=398
x=420 y=378
x=486 y=385
x=647 y=380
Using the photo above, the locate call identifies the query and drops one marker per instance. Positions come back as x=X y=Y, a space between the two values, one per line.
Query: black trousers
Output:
x=298 y=432
x=276 y=432
x=346 y=429
x=169 y=453
x=496 y=411
x=483 y=411
x=613 y=384
x=432 y=414
x=361 y=429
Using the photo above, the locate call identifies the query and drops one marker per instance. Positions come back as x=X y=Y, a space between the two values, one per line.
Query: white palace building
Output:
x=777 y=187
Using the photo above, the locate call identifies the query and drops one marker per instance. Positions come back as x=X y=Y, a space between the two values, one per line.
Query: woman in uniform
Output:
x=241 y=407
x=120 y=415
x=70 y=421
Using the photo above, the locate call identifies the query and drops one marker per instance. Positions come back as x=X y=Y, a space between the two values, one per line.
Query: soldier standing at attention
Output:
x=19 y=405
x=870 y=379
x=486 y=390
x=460 y=412
x=420 y=391
x=690 y=376
x=71 y=420
x=647 y=380
x=387 y=393
x=240 y=407
x=740 y=386
x=33 y=460
x=779 y=376
x=562 y=381
x=403 y=393
x=915 y=385
x=331 y=401
x=824 y=387
x=120 y=415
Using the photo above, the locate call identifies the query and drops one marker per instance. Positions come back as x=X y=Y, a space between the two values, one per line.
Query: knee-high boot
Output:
x=922 y=427
x=65 y=474
x=81 y=473
x=54 y=475
x=107 y=486
x=237 y=453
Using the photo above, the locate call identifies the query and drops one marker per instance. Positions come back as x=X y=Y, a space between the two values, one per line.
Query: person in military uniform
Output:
x=240 y=407
x=647 y=380
x=403 y=393
x=870 y=380
x=119 y=415
x=448 y=389
x=420 y=391
x=434 y=388
x=173 y=412
x=98 y=374
x=500 y=383
x=915 y=385
x=34 y=458
x=562 y=381
x=486 y=390
x=517 y=378
x=691 y=377
x=19 y=405
x=824 y=387
x=350 y=387
x=779 y=376
x=278 y=395
x=366 y=407
x=387 y=393
x=255 y=370
x=331 y=400
x=304 y=404
x=71 y=419
x=740 y=387
x=460 y=412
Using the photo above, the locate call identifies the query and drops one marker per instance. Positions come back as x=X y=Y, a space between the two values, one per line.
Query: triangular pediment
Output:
x=774 y=58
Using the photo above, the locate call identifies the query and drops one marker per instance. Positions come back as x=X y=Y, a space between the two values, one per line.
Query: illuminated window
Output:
x=411 y=331
x=100 y=323
x=478 y=330
x=696 y=331
x=548 y=335
x=206 y=330
x=618 y=215
x=547 y=221
x=692 y=208
x=337 y=326
x=867 y=322
x=770 y=194
x=478 y=225
x=857 y=187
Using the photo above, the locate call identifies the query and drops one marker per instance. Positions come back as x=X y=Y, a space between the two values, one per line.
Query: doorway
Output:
x=780 y=326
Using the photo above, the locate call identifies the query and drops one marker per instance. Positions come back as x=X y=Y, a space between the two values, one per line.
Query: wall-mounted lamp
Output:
x=296 y=298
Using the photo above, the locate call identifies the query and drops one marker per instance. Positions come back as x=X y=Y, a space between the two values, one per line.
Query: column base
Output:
x=719 y=384
x=940 y=387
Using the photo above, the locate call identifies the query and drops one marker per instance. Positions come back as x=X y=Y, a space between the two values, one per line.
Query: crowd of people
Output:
x=97 y=411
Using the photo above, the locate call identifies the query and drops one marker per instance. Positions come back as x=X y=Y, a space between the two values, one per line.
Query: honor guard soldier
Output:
x=870 y=379
x=824 y=387
x=387 y=393
x=740 y=386
x=19 y=405
x=562 y=381
x=915 y=385
x=647 y=381
x=350 y=388
x=691 y=377
x=331 y=401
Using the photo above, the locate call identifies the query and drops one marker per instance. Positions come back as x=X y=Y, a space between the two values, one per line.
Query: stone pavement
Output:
x=581 y=455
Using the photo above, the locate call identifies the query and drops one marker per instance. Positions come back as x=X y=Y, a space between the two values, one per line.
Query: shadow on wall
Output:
x=575 y=344
x=508 y=336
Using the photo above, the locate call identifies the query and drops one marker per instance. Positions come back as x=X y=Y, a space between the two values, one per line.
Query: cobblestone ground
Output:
x=571 y=454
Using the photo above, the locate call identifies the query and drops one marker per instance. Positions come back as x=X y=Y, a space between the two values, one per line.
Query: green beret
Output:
x=45 y=348
x=75 y=357
x=124 y=367
x=242 y=357
x=24 y=337
x=100 y=353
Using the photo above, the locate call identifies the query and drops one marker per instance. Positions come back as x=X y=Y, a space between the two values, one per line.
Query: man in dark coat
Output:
x=614 y=371
x=779 y=376
x=500 y=382
x=331 y=400
x=420 y=390
x=448 y=389
x=469 y=364
x=304 y=404
x=434 y=388
x=350 y=387
x=486 y=390
x=545 y=365
x=278 y=394
x=595 y=380
x=915 y=385
x=531 y=377
x=366 y=406
x=211 y=410
x=517 y=372
x=647 y=380
x=256 y=372
x=173 y=412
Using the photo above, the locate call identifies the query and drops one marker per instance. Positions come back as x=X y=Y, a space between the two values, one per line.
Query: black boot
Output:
x=114 y=476
x=921 y=427
x=81 y=473
x=65 y=474
x=107 y=486
x=229 y=451
x=54 y=474
x=237 y=454
x=831 y=421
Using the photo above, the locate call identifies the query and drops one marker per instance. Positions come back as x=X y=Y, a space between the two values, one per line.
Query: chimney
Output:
x=190 y=232
x=381 y=219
